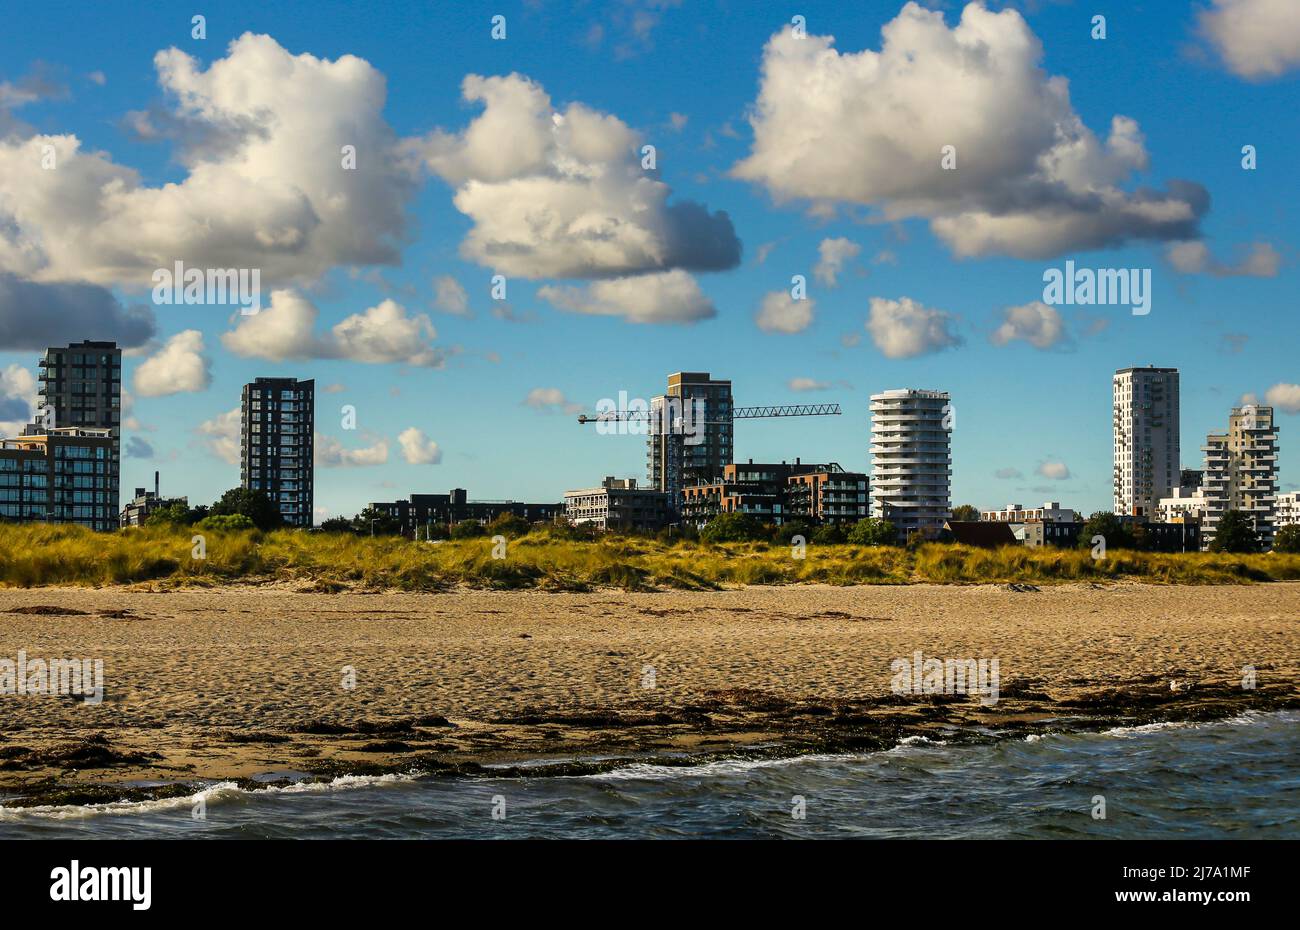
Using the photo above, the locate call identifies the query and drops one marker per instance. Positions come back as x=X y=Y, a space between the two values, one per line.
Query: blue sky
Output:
x=684 y=77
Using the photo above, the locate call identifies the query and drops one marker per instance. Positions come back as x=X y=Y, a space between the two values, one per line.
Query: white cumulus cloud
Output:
x=833 y=254
x=17 y=399
x=807 y=384
x=871 y=127
x=904 y=328
x=286 y=329
x=417 y=448
x=550 y=399
x=178 y=367
x=667 y=297
x=330 y=453
x=1283 y=396
x=563 y=194
x=1256 y=39
x=1056 y=471
x=449 y=295
x=779 y=312
x=1035 y=323
x=260 y=135
x=221 y=435
x=1193 y=257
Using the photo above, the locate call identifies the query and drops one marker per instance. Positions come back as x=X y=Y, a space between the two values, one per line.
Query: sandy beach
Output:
x=266 y=681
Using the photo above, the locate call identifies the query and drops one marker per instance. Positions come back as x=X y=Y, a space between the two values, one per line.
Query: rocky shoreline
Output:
x=740 y=724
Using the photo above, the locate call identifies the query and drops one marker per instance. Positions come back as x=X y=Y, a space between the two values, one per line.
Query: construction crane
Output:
x=671 y=477
x=737 y=413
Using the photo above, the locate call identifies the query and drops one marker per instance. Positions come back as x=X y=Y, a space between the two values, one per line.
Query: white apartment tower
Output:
x=1146 y=439
x=1241 y=472
x=911 y=459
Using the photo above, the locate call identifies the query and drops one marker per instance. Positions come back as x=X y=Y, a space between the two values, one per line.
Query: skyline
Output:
x=1036 y=405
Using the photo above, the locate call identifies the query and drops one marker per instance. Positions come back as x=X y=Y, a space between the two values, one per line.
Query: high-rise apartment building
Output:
x=1241 y=472
x=911 y=460
x=81 y=385
x=277 y=422
x=691 y=436
x=1145 y=416
x=81 y=388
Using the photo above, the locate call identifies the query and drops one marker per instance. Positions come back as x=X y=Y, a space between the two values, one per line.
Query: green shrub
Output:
x=226 y=521
x=508 y=525
x=250 y=503
x=873 y=532
x=733 y=527
x=829 y=534
x=1287 y=539
x=787 y=531
x=468 y=529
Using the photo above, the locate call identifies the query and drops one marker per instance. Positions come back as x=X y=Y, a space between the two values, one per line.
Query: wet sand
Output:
x=265 y=681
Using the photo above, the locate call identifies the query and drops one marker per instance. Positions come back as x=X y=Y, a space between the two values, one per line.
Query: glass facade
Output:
x=276 y=444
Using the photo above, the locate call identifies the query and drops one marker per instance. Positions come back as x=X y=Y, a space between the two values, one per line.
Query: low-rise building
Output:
x=617 y=504
x=1152 y=537
x=61 y=475
x=984 y=534
x=1185 y=505
x=829 y=495
x=424 y=511
x=1050 y=512
x=1288 y=509
x=146 y=502
x=777 y=492
x=1182 y=536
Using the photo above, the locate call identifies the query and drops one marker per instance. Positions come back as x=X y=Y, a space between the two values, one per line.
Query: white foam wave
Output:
x=650 y=771
x=212 y=794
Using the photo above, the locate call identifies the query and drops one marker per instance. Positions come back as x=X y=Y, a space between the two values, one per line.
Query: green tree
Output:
x=1111 y=528
x=467 y=529
x=790 y=529
x=684 y=532
x=965 y=513
x=337 y=525
x=733 y=527
x=873 y=531
x=250 y=503
x=1235 y=533
x=509 y=525
x=176 y=514
x=829 y=534
x=1287 y=539
x=373 y=522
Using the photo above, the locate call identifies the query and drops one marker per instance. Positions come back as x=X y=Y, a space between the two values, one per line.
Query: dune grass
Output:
x=35 y=555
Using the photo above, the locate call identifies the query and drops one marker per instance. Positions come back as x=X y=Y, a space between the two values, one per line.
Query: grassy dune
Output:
x=35 y=555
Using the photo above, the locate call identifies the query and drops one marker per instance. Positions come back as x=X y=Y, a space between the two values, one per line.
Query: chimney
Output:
x=155 y=484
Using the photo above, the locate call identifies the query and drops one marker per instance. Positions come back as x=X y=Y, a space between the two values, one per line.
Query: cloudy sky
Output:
x=920 y=166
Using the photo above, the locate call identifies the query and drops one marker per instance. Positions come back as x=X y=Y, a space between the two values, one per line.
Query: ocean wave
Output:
x=650 y=771
x=211 y=794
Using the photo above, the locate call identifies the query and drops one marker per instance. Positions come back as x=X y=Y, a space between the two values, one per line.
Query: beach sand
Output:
x=245 y=681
